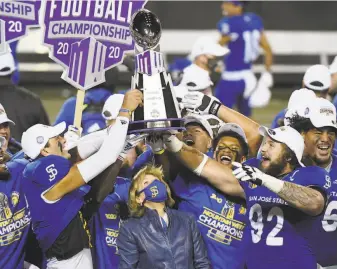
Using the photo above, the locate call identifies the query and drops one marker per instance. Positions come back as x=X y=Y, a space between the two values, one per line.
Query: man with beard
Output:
x=285 y=191
x=317 y=124
x=221 y=218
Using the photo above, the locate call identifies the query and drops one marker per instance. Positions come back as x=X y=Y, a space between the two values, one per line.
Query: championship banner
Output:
x=15 y=18
x=88 y=37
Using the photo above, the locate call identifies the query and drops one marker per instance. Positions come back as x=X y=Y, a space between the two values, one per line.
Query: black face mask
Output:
x=212 y=64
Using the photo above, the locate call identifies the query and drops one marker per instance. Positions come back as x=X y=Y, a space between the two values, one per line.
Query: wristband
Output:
x=273 y=184
x=159 y=152
x=201 y=166
x=173 y=144
x=126 y=111
x=214 y=108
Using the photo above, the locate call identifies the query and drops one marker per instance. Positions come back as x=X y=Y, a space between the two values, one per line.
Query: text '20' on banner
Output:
x=88 y=37
x=15 y=18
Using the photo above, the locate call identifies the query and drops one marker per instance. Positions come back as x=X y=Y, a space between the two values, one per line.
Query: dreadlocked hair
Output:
x=300 y=124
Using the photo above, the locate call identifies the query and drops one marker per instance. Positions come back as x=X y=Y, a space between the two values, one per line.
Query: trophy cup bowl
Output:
x=145 y=29
x=160 y=111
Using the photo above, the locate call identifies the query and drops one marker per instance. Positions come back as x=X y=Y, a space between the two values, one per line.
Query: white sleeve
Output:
x=91 y=143
x=111 y=147
x=333 y=66
x=27 y=265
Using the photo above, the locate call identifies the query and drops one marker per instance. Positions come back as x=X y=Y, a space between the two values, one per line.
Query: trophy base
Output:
x=156 y=126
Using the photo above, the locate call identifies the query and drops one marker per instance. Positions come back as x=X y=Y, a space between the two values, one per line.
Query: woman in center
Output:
x=156 y=236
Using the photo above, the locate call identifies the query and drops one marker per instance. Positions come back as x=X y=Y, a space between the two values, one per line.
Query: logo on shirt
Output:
x=111 y=238
x=242 y=210
x=52 y=172
x=252 y=185
x=291 y=178
x=218 y=199
x=222 y=227
x=11 y=222
x=5 y=211
x=228 y=210
x=15 y=198
x=327 y=184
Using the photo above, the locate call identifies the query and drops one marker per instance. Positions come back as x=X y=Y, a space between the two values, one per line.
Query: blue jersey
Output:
x=325 y=236
x=105 y=224
x=278 y=120
x=245 y=32
x=14 y=218
x=280 y=233
x=49 y=219
x=221 y=219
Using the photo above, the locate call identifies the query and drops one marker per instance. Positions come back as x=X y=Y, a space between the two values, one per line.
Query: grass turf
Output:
x=53 y=100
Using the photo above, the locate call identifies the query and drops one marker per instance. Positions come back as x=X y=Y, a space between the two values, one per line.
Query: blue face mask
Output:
x=155 y=192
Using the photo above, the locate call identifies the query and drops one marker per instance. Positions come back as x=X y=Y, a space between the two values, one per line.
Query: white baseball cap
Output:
x=199 y=120
x=233 y=127
x=3 y=115
x=317 y=78
x=322 y=113
x=288 y=136
x=301 y=97
x=7 y=61
x=112 y=106
x=195 y=78
x=214 y=122
x=208 y=46
x=36 y=138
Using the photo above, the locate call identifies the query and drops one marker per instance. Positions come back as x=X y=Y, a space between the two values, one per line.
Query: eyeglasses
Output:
x=231 y=148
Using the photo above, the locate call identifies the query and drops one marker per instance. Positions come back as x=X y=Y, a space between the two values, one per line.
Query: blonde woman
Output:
x=156 y=236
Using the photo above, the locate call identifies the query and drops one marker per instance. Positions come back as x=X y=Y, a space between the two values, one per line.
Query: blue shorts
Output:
x=230 y=93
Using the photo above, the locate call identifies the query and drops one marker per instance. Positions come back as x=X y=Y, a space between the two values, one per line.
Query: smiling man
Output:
x=293 y=196
x=221 y=218
x=317 y=124
x=230 y=145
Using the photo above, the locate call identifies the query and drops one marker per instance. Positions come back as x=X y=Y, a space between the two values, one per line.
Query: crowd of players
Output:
x=226 y=193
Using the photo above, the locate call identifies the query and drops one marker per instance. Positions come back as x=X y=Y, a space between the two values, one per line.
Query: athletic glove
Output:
x=72 y=136
x=155 y=141
x=201 y=104
x=247 y=173
x=131 y=142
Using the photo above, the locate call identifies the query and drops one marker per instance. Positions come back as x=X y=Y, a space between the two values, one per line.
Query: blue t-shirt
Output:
x=14 y=217
x=280 y=233
x=325 y=236
x=221 y=219
x=245 y=32
x=105 y=224
x=49 y=219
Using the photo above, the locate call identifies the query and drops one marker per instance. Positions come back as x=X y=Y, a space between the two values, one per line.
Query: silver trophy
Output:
x=160 y=111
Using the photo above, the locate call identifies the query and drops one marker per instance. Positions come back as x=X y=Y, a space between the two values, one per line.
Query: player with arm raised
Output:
x=244 y=35
x=289 y=193
x=51 y=183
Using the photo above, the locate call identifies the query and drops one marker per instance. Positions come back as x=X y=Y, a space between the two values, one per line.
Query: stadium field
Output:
x=53 y=100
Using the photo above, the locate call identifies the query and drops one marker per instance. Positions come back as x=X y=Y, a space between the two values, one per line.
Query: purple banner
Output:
x=88 y=37
x=15 y=18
